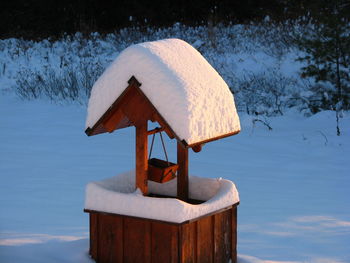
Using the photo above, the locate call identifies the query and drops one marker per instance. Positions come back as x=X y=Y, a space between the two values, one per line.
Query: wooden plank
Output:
x=156 y=130
x=234 y=234
x=227 y=229
x=116 y=238
x=164 y=245
x=109 y=239
x=111 y=123
x=182 y=173
x=96 y=129
x=120 y=240
x=218 y=238
x=156 y=116
x=211 y=139
x=93 y=235
x=136 y=108
x=141 y=157
x=188 y=243
x=222 y=237
x=204 y=240
x=137 y=240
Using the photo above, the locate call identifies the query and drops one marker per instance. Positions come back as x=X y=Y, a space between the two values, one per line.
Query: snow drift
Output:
x=117 y=195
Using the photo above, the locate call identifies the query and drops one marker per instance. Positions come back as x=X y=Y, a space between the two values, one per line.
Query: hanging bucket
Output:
x=160 y=171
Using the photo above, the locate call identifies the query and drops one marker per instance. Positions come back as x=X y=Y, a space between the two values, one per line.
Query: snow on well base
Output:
x=117 y=195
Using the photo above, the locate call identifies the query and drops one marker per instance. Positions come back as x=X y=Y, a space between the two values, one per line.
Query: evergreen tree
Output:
x=327 y=58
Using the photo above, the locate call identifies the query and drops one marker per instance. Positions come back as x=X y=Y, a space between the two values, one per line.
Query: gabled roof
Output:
x=131 y=108
x=189 y=95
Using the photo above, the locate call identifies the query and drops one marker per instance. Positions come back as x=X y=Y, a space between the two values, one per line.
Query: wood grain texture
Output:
x=182 y=172
x=137 y=240
x=136 y=107
x=93 y=235
x=188 y=249
x=98 y=126
x=141 y=157
x=205 y=244
x=164 y=243
x=234 y=233
x=109 y=238
x=161 y=171
x=111 y=123
x=120 y=238
x=222 y=236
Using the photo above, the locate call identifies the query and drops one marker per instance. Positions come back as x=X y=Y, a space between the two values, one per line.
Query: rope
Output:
x=150 y=152
x=165 y=153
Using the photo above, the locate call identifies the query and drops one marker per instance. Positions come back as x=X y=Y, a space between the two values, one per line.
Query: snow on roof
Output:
x=185 y=89
x=117 y=195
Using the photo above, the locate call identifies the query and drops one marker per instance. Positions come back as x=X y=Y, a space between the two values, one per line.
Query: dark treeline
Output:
x=43 y=18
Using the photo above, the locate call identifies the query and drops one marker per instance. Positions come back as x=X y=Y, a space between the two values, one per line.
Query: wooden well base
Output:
x=119 y=238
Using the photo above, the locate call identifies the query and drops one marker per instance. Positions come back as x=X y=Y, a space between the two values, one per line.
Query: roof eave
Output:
x=210 y=139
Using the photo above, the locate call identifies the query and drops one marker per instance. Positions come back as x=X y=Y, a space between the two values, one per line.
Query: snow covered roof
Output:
x=181 y=85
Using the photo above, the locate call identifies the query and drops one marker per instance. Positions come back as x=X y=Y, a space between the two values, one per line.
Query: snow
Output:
x=117 y=195
x=185 y=89
x=293 y=181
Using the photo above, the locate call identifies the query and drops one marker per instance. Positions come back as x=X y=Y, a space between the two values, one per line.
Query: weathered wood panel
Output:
x=188 y=243
x=164 y=243
x=227 y=229
x=111 y=123
x=93 y=235
x=137 y=108
x=117 y=238
x=234 y=233
x=222 y=236
x=109 y=246
x=137 y=240
x=205 y=244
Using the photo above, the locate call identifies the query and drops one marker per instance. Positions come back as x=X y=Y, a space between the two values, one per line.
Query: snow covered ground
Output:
x=293 y=181
x=250 y=58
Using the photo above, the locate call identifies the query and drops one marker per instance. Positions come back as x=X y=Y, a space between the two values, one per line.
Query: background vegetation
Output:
x=32 y=19
x=58 y=54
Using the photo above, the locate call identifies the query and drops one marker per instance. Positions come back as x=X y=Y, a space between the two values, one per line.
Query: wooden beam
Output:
x=141 y=157
x=234 y=234
x=111 y=123
x=156 y=130
x=95 y=129
x=210 y=140
x=182 y=172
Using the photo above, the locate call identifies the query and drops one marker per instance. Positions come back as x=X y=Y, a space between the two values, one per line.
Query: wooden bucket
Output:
x=161 y=171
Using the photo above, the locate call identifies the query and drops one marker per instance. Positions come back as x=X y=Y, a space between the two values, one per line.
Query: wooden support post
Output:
x=182 y=172
x=141 y=157
x=234 y=234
